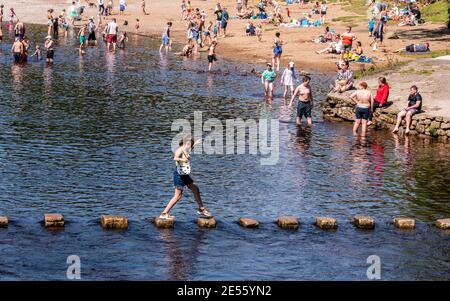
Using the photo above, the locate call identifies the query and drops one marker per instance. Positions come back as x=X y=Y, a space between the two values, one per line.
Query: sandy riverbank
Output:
x=237 y=46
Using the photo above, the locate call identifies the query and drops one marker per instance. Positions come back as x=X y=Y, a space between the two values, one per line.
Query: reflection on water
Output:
x=91 y=135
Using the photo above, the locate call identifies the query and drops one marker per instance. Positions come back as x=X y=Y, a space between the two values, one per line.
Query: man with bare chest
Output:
x=305 y=101
x=17 y=50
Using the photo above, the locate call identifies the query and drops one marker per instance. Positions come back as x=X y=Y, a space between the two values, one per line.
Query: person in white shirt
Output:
x=111 y=30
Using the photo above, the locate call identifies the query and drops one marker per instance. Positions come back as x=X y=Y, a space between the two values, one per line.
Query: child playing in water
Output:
x=122 y=39
x=287 y=79
x=212 y=54
x=165 y=38
x=82 y=37
x=182 y=178
x=267 y=79
x=37 y=53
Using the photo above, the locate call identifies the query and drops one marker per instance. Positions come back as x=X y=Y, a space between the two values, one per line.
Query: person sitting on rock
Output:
x=414 y=107
x=380 y=98
x=344 y=78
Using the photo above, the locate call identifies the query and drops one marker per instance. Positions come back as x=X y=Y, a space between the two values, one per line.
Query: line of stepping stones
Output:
x=285 y=222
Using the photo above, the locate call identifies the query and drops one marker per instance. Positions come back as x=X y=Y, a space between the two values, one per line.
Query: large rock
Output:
x=326 y=223
x=164 y=223
x=53 y=220
x=248 y=222
x=206 y=222
x=364 y=222
x=445 y=126
x=288 y=222
x=113 y=222
x=3 y=222
x=404 y=223
x=443 y=223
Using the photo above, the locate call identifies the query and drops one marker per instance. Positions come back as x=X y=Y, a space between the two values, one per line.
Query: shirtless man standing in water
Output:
x=17 y=50
x=363 y=98
x=305 y=100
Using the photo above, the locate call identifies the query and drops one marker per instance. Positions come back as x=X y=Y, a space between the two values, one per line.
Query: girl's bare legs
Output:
x=176 y=197
x=266 y=88
x=196 y=192
x=285 y=92
x=271 y=91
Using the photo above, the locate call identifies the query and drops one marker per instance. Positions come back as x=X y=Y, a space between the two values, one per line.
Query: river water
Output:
x=91 y=136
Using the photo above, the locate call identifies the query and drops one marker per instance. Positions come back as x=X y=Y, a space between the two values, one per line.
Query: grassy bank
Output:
x=436 y=12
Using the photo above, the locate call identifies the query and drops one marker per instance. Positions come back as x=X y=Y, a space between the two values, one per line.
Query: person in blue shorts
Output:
x=182 y=178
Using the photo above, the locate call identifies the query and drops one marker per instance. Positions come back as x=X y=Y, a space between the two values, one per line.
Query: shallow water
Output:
x=91 y=136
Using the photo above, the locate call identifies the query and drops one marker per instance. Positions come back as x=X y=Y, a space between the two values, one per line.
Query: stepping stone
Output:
x=3 y=222
x=443 y=224
x=404 y=223
x=53 y=220
x=248 y=222
x=206 y=222
x=164 y=223
x=364 y=222
x=326 y=223
x=288 y=222
x=113 y=222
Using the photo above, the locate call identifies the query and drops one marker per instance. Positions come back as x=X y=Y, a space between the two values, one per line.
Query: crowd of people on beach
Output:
x=204 y=32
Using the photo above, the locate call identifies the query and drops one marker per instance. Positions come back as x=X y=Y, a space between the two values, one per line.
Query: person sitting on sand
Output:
x=421 y=47
x=182 y=178
x=249 y=29
x=364 y=102
x=414 y=107
x=380 y=98
x=410 y=20
x=333 y=47
x=344 y=78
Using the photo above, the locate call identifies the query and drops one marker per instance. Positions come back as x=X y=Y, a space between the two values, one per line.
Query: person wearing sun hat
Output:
x=267 y=79
x=287 y=79
x=49 y=48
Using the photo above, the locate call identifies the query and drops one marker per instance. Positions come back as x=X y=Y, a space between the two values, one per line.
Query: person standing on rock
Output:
x=414 y=107
x=364 y=102
x=305 y=101
x=182 y=178
x=381 y=97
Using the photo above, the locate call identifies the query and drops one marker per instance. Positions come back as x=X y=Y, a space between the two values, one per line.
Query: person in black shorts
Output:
x=305 y=101
x=414 y=107
x=364 y=102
